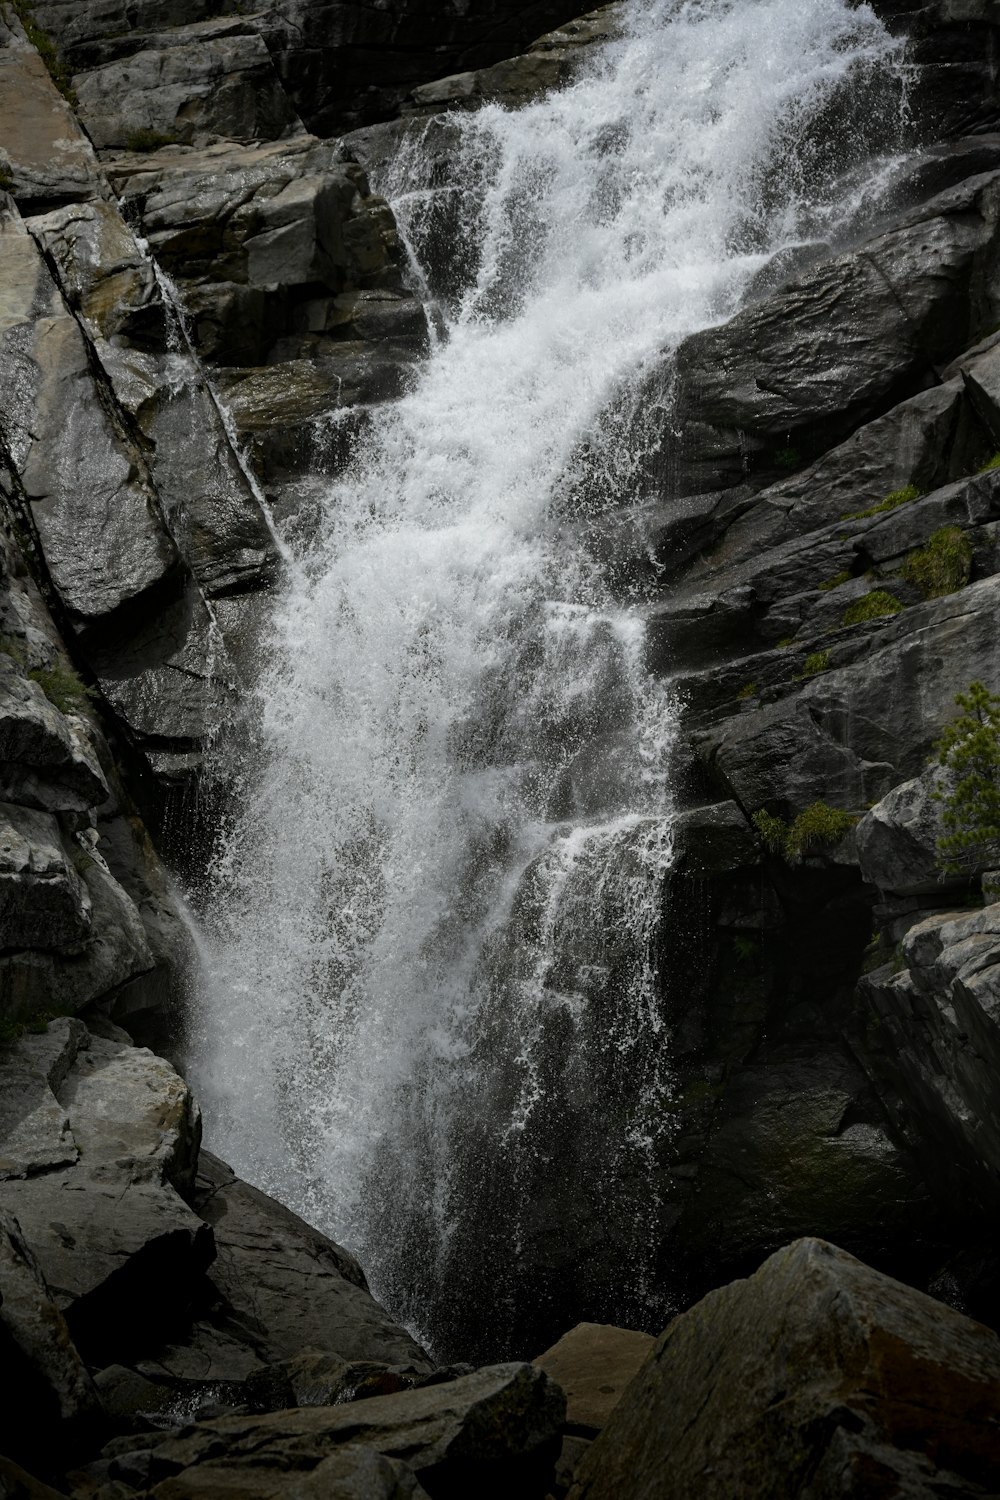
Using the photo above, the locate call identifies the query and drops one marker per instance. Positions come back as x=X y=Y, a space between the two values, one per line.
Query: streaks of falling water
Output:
x=432 y=1019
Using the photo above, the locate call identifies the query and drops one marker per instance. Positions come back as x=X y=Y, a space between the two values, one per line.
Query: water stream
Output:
x=432 y=1019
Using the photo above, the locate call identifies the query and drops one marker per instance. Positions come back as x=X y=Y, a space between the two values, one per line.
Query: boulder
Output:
x=897 y=838
x=492 y=1433
x=818 y=1375
x=46 y=1380
x=116 y=1243
x=293 y=1288
x=593 y=1364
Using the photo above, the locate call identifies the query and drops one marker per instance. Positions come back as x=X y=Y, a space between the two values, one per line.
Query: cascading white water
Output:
x=432 y=1020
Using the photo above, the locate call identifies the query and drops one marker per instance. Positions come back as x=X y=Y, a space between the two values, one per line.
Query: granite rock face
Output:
x=815 y=1376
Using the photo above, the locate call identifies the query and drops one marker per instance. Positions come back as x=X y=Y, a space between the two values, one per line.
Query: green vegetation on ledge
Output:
x=819 y=826
x=836 y=581
x=891 y=502
x=969 y=750
x=874 y=606
x=62 y=686
x=815 y=662
x=942 y=566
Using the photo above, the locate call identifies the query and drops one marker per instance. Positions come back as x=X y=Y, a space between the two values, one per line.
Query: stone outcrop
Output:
x=816 y=1376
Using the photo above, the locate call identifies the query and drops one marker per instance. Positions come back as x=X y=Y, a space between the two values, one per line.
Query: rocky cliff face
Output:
x=200 y=302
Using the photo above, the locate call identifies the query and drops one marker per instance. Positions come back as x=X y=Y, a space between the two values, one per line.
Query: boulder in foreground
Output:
x=816 y=1377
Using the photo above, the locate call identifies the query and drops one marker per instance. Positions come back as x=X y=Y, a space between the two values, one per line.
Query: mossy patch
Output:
x=815 y=662
x=877 y=605
x=836 y=581
x=748 y=690
x=991 y=463
x=943 y=566
x=891 y=502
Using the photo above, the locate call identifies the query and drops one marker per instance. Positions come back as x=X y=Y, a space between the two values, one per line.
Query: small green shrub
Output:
x=943 y=565
x=815 y=662
x=891 y=502
x=63 y=688
x=836 y=581
x=874 y=606
x=144 y=139
x=969 y=750
x=819 y=825
x=991 y=463
x=748 y=690
x=785 y=642
x=773 y=831
x=6 y=180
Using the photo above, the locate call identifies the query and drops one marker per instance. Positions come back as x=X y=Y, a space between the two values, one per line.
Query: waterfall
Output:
x=432 y=1019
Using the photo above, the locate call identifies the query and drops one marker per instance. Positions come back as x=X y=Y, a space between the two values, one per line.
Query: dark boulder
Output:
x=818 y=1376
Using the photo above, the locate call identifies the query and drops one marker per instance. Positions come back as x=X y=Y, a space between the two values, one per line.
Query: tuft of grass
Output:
x=815 y=662
x=43 y=44
x=835 y=581
x=144 y=139
x=748 y=690
x=991 y=463
x=942 y=566
x=62 y=686
x=874 y=606
x=785 y=642
x=773 y=831
x=817 y=827
x=891 y=502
